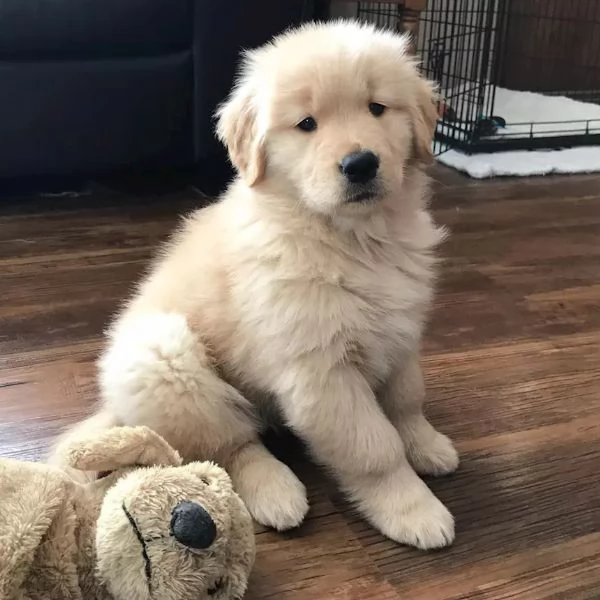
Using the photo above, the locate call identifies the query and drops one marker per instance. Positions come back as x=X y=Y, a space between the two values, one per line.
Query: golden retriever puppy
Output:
x=303 y=292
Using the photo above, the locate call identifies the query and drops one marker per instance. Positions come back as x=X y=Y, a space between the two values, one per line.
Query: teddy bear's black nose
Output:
x=192 y=526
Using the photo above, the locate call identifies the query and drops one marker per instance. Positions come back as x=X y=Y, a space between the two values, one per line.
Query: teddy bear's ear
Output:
x=119 y=447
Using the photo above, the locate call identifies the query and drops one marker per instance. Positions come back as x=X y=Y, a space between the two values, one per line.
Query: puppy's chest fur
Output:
x=364 y=304
x=383 y=315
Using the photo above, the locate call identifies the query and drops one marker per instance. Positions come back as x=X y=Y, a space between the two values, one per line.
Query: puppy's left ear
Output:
x=237 y=128
x=424 y=120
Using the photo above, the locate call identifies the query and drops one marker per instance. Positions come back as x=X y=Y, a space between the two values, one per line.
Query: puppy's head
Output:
x=336 y=112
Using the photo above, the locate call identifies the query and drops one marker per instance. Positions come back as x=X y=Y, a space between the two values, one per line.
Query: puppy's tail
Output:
x=94 y=424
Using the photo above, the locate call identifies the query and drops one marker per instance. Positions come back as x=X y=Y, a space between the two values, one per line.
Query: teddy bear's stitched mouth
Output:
x=216 y=588
x=140 y=537
x=212 y=591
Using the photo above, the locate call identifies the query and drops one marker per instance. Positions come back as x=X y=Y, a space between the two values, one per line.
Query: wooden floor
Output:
x=512 y=361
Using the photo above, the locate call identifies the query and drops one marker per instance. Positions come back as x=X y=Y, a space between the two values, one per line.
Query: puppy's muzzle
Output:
x=359 y=167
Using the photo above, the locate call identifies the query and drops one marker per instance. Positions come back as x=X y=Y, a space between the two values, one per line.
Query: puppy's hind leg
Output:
x=273 y=494
x=157 y=373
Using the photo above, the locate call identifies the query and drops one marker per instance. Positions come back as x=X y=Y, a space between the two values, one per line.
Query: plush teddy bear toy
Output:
x=147 y=529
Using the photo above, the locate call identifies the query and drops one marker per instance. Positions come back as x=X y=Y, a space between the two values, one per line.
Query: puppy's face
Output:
x=333 y=112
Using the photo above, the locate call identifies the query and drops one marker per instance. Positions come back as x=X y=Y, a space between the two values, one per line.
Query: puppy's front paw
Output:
x=426 y=525
x=404 y=509
x=433 y=454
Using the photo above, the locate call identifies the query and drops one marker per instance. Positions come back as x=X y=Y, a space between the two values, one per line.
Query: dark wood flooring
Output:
x=512 y=361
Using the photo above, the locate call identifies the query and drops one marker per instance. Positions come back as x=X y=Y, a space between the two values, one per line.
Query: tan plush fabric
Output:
x=37 y=526
x=115 y=538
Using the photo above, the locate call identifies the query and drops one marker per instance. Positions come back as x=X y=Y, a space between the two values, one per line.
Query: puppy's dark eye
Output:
x=376 y=109
x=308 y=124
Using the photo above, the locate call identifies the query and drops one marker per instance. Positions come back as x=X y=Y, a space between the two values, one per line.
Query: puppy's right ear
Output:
x=237 y=129
x=424 y=120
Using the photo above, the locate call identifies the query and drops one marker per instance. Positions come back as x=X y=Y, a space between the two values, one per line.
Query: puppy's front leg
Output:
x=337 y=414
x=429 y=451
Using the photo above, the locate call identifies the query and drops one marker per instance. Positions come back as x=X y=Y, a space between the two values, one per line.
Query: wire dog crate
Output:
x=513 y=74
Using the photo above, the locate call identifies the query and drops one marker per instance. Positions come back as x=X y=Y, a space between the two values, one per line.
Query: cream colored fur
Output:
x=285 y=299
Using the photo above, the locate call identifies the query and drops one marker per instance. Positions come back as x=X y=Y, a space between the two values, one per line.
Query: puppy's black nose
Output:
x=192 y=526
x=360 y=167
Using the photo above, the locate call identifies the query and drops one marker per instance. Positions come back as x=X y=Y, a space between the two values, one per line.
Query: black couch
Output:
x=97 y=85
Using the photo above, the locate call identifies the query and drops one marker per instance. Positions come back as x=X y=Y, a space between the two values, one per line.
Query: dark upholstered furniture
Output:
x=96 y=85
